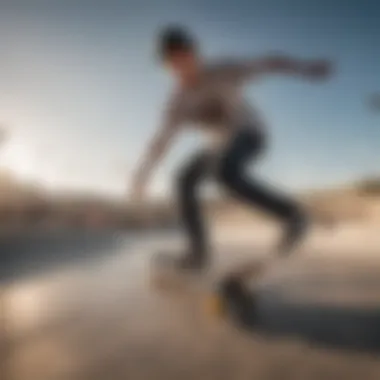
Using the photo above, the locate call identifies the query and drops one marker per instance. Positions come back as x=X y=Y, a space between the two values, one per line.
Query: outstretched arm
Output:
x=280 y=64
x=156 y=151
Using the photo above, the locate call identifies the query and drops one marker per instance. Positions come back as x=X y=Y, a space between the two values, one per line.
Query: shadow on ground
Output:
x=274 y=312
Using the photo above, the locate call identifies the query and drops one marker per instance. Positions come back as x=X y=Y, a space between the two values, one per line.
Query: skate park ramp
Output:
x=99 y=318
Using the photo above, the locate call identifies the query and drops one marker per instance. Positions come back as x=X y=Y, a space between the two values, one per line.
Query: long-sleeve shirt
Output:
x=216 y=104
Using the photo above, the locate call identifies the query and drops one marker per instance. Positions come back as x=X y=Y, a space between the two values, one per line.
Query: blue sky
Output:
x=82 y=92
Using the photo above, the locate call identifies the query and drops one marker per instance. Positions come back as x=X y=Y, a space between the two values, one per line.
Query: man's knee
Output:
x=228 y=174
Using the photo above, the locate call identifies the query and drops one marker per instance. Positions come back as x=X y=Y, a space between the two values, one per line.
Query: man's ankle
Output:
x=295 y=231
x=195 y=260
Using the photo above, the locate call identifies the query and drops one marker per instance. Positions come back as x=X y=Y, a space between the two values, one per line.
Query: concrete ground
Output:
x=101 y=319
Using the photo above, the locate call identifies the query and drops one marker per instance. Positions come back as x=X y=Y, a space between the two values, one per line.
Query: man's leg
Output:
x=246 y=146
x=190 y=178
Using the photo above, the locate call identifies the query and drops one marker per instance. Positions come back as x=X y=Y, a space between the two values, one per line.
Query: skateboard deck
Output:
x=218 y=295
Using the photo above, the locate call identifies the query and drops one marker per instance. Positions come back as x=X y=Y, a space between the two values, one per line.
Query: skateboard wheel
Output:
x=214 y=305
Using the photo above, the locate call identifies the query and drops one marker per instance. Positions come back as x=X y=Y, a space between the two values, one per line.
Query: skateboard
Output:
x=227 y=295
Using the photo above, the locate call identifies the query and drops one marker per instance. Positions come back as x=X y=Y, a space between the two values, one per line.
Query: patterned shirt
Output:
x=216 y=104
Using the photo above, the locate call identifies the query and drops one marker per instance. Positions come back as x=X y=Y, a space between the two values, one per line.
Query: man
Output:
x=209 y=96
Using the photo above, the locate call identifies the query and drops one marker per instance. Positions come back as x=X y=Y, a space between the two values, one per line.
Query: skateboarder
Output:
x=209 y=95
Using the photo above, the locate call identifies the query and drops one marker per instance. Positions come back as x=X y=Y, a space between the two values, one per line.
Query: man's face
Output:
x=183 y=64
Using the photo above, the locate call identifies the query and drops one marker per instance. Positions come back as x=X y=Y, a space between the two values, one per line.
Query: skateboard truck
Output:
x=235 y=300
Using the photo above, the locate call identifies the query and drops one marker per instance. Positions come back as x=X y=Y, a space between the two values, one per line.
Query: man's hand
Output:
x=318 y=69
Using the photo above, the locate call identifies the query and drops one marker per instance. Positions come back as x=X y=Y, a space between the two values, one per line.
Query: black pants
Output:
x=230 y=167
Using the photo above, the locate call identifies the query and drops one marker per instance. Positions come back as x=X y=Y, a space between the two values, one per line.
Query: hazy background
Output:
x=82 y=91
